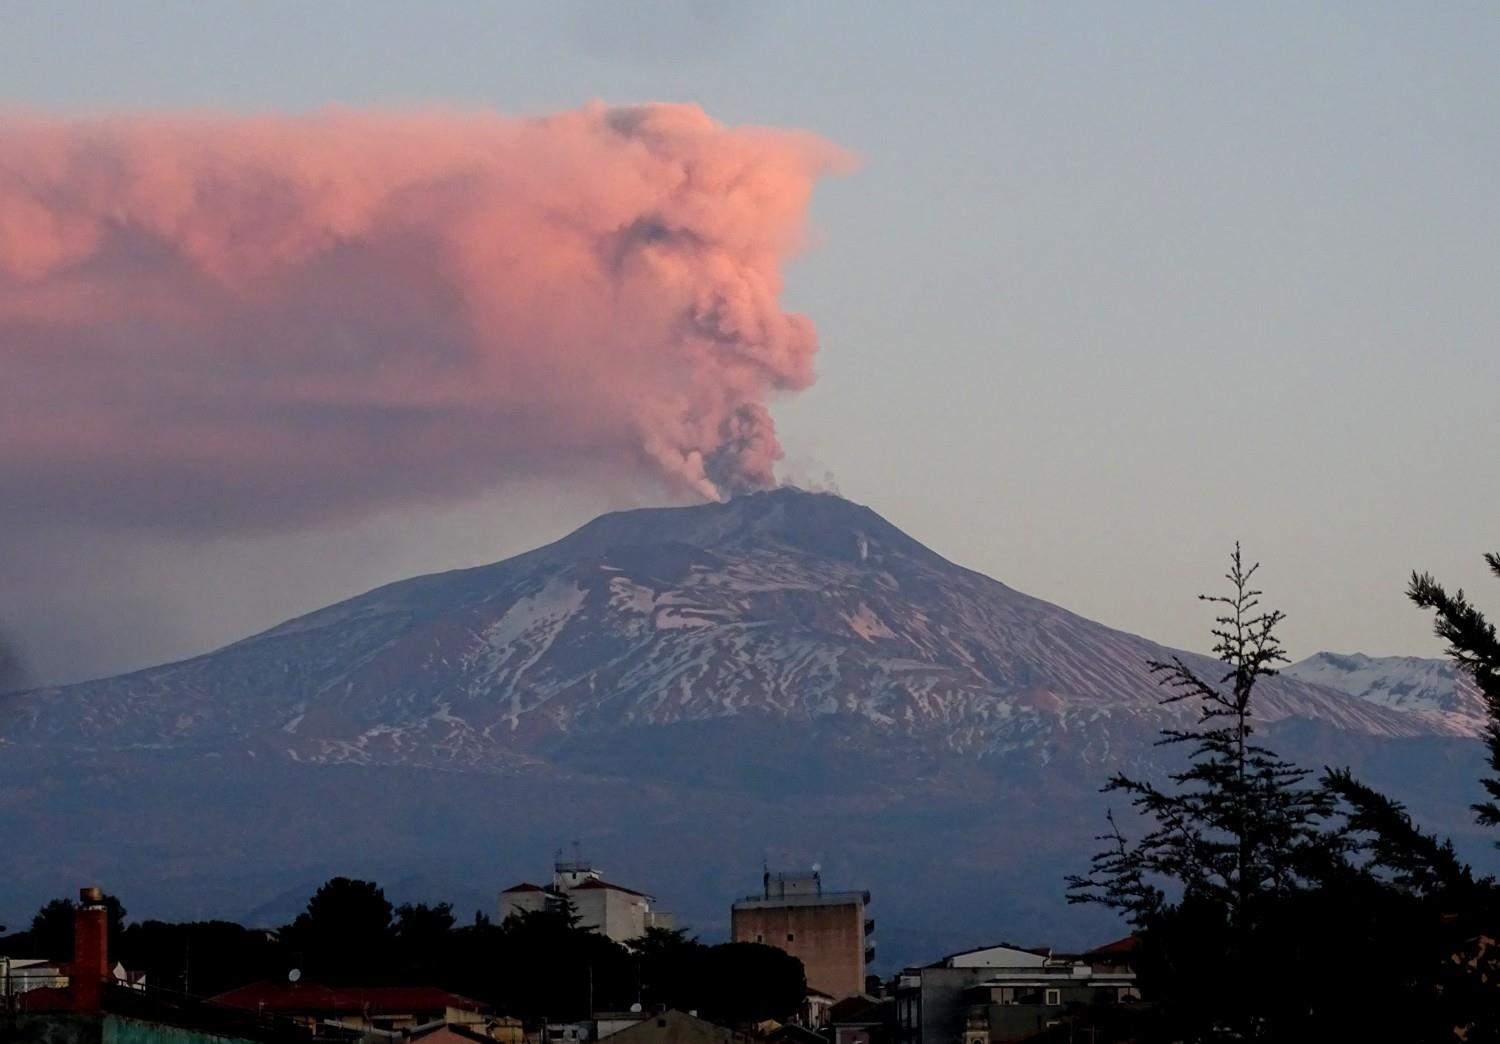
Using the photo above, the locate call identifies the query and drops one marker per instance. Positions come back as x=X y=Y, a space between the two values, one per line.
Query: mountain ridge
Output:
x=785 y=603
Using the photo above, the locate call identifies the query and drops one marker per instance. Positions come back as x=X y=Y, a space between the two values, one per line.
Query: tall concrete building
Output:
x=609 y=909
x=827 y=931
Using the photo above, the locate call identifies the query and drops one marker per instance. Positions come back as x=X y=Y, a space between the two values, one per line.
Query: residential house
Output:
x=862 y=1019
x=1005 y=993
x=20 y=974
x=816 y=1008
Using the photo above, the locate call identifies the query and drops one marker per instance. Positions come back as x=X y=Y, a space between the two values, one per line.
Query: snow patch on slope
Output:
x=1435 y=690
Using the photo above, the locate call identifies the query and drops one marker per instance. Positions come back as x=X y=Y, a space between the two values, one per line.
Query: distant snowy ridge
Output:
x=1434 y=690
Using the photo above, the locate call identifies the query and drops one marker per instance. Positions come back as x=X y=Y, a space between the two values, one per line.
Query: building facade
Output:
x=827 y=931
x=612 y=910
x=1006 y=993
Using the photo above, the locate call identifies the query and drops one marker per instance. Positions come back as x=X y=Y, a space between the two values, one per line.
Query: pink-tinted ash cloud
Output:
x=231 y=323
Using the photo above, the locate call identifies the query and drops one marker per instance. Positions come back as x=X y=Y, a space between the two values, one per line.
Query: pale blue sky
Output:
x=1115 y=285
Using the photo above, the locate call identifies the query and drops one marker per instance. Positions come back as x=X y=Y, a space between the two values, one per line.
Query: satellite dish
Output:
x=294 y=975
x=635 y=1009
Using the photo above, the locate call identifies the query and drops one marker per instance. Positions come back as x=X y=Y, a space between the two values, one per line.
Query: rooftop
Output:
x=595 y=884
x=287 y=997
x=761 y=902
x=1119 y=948
x=987 y=956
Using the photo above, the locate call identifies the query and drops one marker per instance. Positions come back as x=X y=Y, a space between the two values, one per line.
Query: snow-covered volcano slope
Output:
x=787 y=606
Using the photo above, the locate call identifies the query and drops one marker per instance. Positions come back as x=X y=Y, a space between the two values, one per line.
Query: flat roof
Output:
x=760 y=902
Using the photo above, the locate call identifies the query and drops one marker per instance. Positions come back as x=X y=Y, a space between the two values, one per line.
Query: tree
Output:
x=1406 y=893
x=1246 y=876
x=1237 y=825
x=345 y=935
x=1226 y=846
x=423 y=934
x=1462 y=961
x=51 y=931
x=1475 y=647
x=420 y=924
x=742 y=983
x=732 y=983
x=669 y=967
x=201 y=958
x=545 y=964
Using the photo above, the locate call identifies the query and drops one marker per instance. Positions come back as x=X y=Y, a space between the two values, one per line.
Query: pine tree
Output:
x=1473 y=983
x=1237 y=824
x=1475 y=647
x=1230 y=846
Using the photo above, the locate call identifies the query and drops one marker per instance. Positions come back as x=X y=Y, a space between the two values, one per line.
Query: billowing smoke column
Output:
x=243 y=322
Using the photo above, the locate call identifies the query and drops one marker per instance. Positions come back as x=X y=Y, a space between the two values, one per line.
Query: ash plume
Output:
x=240 y=323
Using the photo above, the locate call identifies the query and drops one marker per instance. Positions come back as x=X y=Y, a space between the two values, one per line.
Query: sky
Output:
x=1097 y=289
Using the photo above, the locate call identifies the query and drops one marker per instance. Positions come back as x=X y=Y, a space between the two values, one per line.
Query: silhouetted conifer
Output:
x=1237 y=824
x=1475 y=647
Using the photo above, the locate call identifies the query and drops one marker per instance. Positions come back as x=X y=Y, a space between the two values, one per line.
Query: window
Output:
x=1054 y=998
x=758 y=937
x=791 y=937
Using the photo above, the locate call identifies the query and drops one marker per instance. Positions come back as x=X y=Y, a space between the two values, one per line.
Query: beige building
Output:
x=613 y=910
x=827 y=931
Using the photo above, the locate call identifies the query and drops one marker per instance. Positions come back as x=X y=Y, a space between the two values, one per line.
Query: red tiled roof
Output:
x=1117 y=948
x=45 y=998
x=287 y=997
x=595 y=883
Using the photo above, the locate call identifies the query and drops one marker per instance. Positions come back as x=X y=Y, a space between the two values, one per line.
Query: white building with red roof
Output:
x=613 y=910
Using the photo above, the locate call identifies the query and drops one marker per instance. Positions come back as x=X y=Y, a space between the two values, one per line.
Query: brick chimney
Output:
x=90 y=967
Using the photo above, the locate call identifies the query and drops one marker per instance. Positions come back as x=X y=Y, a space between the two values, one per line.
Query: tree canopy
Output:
x=346 y=934
x=1258 y=893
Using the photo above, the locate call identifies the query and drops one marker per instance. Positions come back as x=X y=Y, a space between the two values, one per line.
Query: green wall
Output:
x=119 y=1030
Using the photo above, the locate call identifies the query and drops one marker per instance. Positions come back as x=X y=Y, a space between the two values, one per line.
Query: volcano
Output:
x=784 y=676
